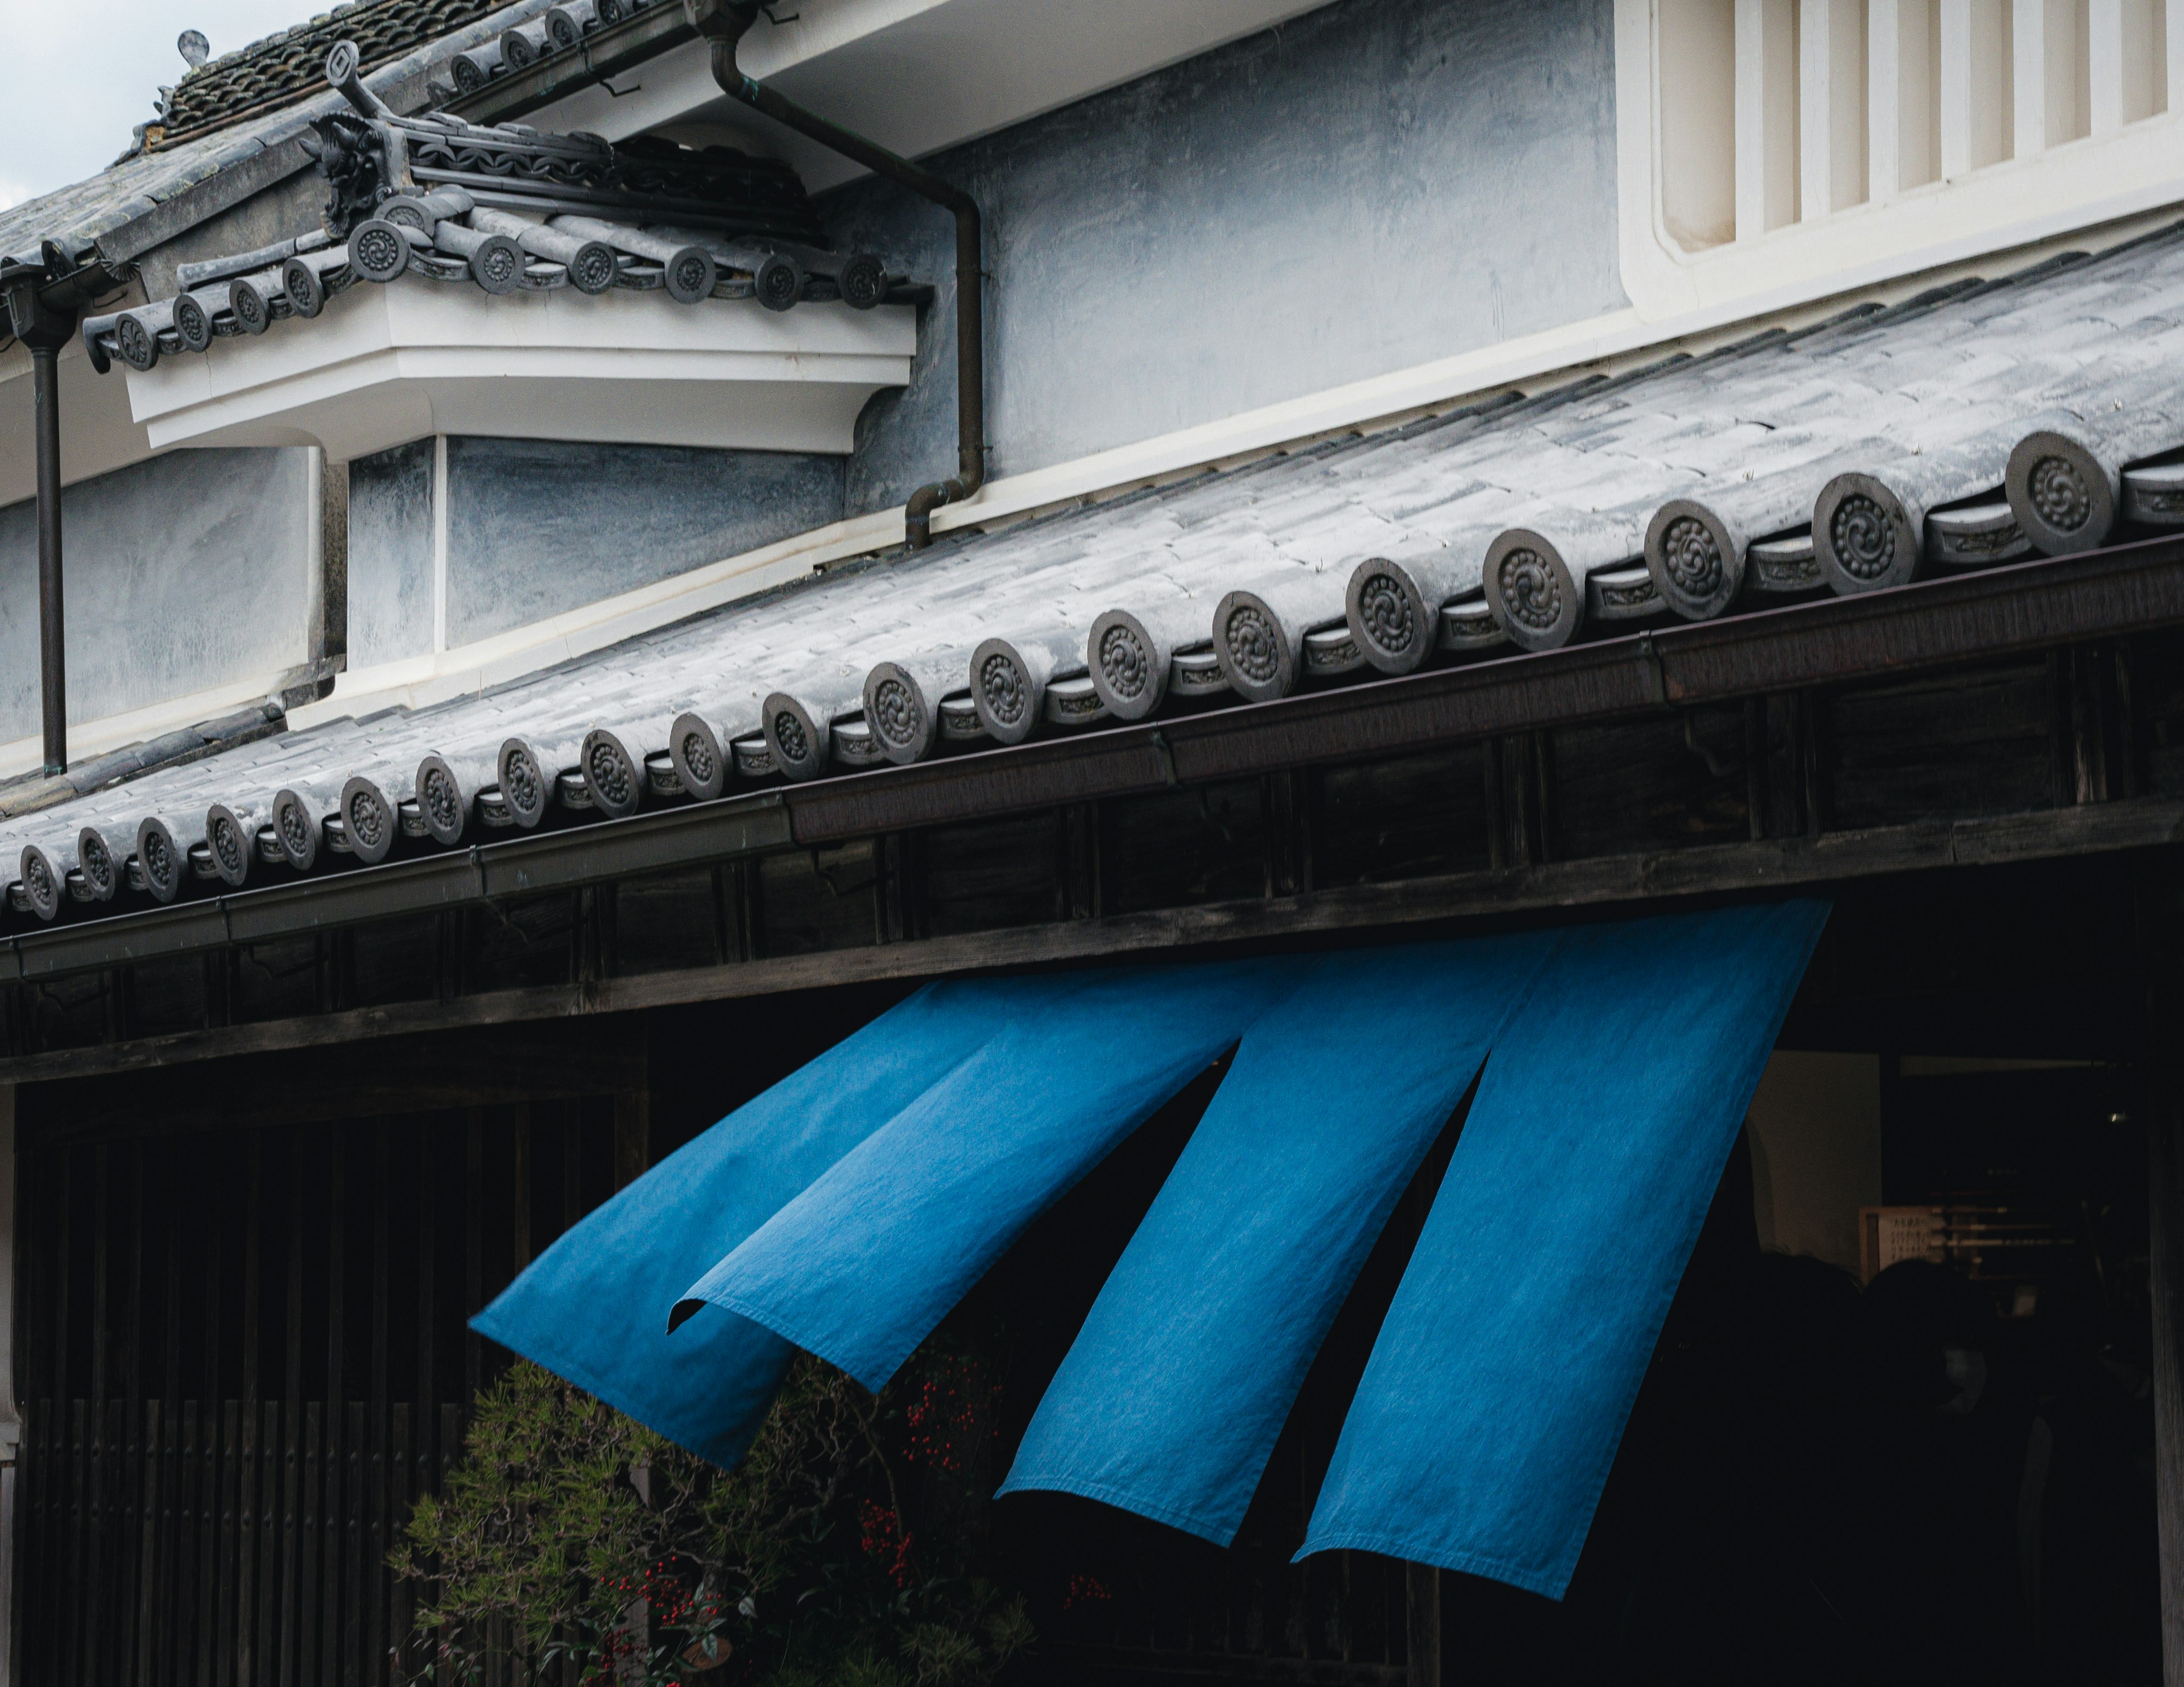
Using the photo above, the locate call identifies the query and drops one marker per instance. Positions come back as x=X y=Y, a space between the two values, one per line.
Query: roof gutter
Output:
x=724 y=23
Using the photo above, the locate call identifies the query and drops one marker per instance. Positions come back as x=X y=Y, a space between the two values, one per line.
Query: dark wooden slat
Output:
x=473 y=1251
x=187 y=1653
x=426 y=1201
x=101 y=1333
x=520 y=1194
x=283 y=1548
x=336 y=1280
x=125 y=1524
x=572 y=1168
x=254 y=1222
x=36 y=1543
x=135 y=1557
x=226 y=1544
x=373 y=1616
x=208 y=1224
x=171 y=1642
x=149 y=1581
x=310 y=1536
x=451 y=1444
x=63 y=1257
x=334 y=1506
x=401 y=1493
x=80 y=1436
x=1422 y=1614
x=265 y=1643
x=171 y=1215
x=292 y=1429
x=633 y=1136
x=207 y=1543
x=338 y=1490
x=99 y=1609
x=250 y=1460
x=355 y=1538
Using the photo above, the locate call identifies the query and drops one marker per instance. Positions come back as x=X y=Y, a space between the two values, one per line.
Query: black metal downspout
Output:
x=53 y=642
x=43 y=331
x=724 y=23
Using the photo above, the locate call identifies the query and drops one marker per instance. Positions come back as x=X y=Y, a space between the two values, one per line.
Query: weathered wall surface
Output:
x=1375 y=185
x=390 y=554
x=182 y=574
x=538 y=527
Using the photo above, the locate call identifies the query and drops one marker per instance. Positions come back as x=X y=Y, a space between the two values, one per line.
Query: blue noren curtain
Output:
x=1491 y=1407
x=1170 y=1401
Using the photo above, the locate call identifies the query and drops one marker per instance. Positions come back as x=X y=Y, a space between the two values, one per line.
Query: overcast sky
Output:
x=77 y=75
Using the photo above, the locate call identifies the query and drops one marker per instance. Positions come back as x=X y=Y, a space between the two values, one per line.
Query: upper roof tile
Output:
x=292 y=63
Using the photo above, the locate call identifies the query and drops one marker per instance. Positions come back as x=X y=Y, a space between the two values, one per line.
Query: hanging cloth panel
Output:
x=1169 y=1402
x=1497 y=1391
x=592 y=1307
x=861 y=1267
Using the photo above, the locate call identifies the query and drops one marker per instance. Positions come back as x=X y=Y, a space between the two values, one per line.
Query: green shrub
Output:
x=841 y=1553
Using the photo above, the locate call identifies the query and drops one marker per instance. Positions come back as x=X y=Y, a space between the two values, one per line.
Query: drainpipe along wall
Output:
x=725 y=26
x=43 y=329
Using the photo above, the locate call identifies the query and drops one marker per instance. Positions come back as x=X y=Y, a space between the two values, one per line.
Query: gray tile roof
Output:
x=92 y=216
x=506 y=208
x=290 y=63
x=1971 y=425
x=446 y=236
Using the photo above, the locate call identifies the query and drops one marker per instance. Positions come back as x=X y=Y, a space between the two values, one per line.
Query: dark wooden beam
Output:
x=1450 y=901
x=492 y=1066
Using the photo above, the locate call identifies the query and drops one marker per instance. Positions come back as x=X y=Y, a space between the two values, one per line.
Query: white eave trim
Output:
x=385 y=364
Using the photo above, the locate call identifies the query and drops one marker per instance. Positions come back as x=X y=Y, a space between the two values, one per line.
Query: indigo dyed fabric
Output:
x=1170 y=1401
x=594 y=1307
x=861 y=1267
x=1497 y=1391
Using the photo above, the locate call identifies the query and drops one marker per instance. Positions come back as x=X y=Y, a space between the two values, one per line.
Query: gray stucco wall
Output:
x=537 y=527
x=181 y=574
x=390 y=554
x=1374 y=184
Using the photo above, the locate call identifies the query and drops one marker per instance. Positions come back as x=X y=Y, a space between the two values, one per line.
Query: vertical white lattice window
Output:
x=1853 y=133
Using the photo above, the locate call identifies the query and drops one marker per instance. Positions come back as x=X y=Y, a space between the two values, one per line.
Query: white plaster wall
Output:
x=1372 y=185
x=181 y=575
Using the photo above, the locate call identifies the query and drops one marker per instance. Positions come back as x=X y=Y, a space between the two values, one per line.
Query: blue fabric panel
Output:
x=861 y=1267
x=1496 y=1393
x=593 y=1308
x=1170 y=1401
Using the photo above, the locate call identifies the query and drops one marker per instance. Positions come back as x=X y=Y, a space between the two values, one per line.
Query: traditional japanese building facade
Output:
x=547 y=573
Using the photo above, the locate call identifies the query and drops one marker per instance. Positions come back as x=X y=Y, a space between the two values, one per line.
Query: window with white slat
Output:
x=1861 y=135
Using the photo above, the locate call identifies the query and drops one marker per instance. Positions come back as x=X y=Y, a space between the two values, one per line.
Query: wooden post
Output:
x=2165 y=1204
x=11 y=1422
x=1422 y=1619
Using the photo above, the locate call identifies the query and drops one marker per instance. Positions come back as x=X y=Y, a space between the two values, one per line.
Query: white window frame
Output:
x=1786 y=248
